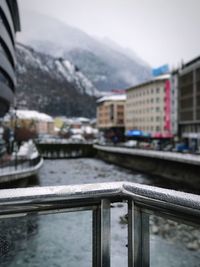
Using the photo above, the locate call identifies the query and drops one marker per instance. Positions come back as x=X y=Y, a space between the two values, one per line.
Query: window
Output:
x=112 y=112
x=157 y=119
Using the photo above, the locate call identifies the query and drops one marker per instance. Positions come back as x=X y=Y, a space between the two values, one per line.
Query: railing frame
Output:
x=142 y=201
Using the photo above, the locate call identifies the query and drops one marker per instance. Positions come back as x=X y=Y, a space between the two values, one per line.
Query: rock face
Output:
x=106 y=64
x=53 y=86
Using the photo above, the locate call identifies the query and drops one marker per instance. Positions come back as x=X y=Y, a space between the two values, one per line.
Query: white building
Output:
x=148 y=107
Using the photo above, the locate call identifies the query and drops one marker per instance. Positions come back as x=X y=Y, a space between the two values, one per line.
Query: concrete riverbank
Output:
x=24 y=170
x=64 y=150
x=183 y=168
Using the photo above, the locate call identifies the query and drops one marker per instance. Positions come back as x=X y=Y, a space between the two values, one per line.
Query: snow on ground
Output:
x=28 y=151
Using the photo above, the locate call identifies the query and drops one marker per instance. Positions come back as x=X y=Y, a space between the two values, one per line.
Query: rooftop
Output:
x=114 y=97
x=32 y=114
x=191 y=62
x=153 y=80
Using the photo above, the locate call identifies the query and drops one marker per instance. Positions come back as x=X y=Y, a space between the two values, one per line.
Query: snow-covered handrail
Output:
x=142 y=201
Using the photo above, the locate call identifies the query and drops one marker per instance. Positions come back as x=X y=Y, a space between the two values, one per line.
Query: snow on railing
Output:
x=142 y=201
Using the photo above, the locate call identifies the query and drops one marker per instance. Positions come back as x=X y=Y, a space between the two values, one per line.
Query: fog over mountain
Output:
x=106 y=64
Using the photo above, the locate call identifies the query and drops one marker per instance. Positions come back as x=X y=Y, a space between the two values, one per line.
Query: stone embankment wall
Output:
x=174 y=166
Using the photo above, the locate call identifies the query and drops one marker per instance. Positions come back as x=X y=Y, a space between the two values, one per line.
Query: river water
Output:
x=66 y=239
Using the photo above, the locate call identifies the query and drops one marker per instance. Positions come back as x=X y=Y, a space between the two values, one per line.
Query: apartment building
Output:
x=174 y=102
x=9 y=25
x=148 y=107
x=189 y=102
x=110 y=115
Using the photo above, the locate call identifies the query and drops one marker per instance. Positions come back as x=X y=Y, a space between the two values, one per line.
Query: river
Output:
x=59 y=240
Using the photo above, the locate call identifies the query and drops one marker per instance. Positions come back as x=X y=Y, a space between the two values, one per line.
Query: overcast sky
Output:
x=160 y=31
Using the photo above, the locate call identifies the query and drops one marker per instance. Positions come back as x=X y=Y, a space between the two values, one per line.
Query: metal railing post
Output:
x=138 y=237
x=130 y=233
x=96 y=236
x=101 y=235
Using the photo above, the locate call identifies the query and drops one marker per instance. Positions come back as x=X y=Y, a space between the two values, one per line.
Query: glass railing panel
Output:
x=173 y=244
x=47 y=240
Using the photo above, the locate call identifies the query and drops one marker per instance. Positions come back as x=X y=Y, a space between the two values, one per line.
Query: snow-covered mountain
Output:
x=73 y=75
x=62 y=69
x=53 y=85
x=107 y=66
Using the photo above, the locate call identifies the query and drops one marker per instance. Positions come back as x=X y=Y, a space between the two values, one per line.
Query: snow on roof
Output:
x=82 y=119
x=154 y=79
x=76 y=131
x=90 y=130
x=114 y=97
x=76 y=120
x=32 y=114
x=162 y=77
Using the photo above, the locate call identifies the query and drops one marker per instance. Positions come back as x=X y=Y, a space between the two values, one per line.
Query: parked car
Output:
x=131 y=143
x=77 y=138
x=168 y=147
x=183 y=148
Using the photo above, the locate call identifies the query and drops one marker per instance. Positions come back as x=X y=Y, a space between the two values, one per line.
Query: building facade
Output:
x=148 y=107
x=189 y=102
x=36 y=122
x=174 y=102
x=111 y=115
x=9 y=25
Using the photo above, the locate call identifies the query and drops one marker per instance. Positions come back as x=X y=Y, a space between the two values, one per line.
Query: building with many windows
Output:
x=110 y=115
x=174 y=102
x=148 y=107
x=189 y=102
x=9 y=25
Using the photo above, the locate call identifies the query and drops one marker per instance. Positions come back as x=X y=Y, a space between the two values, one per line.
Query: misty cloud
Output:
x=159 y=31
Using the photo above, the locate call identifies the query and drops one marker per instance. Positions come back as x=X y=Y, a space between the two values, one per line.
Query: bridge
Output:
x=64 y=149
